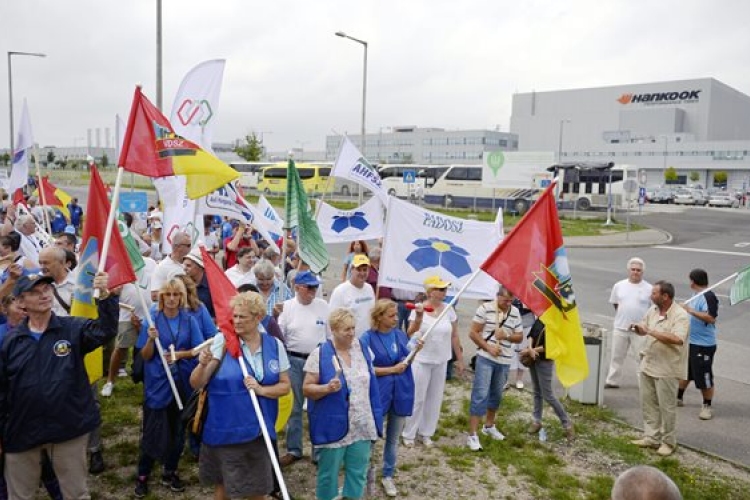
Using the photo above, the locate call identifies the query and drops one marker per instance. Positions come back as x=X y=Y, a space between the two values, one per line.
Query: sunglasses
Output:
x=312 y=287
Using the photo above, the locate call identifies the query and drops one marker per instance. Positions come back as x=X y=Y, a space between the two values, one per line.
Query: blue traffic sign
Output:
x=410 y=176
x=136 y=201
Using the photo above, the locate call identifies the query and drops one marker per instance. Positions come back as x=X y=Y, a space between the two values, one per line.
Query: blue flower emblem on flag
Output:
x=434 y=252
x=356 y=220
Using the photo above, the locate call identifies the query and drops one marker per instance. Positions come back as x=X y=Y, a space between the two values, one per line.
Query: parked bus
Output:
x=460 y=186
x=425 y=176
x=585 y=186
x=249 y=172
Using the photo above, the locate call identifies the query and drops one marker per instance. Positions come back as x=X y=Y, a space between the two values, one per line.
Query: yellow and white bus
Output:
x=249 y=172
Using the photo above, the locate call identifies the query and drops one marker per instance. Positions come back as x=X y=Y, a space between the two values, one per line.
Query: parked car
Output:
x=685 y=196
x=723 y=199
x=662 y=196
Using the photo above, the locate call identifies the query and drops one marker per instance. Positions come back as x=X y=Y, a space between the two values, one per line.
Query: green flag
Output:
x=741 y=287
x=134 y=252
x=299 y=214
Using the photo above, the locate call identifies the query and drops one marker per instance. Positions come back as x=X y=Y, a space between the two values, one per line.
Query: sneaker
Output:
x=534 y=427
x=141 y=488
x=427 y=441
x=665 y=450
x=173 y=481
x=96 y=463
x=107 y=389
x=390 y=487
x=122 y=373
x=706 y=413
x=680 y=403
x=473 y=443
x=519 y=385
x=506 y=386
x=493 y=433
x=409 y=443
x=645 y=443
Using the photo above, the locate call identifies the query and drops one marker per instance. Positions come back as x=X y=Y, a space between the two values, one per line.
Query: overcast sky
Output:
x=437 y=63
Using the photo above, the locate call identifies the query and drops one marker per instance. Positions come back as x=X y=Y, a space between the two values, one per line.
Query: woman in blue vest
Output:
x=395 y=380
x=234 y=458
x=343 y=408
x=163 y=435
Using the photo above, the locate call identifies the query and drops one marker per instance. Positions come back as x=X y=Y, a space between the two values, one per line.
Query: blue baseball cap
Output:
x=28 y=280
x=306 y=278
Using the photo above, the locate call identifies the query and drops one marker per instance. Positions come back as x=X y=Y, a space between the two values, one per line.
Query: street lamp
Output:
x=10 y=88
x=559 y=156
x=364 y=97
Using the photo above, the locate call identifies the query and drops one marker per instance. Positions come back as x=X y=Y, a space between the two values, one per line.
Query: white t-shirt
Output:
x=65 y=291
x=438 y=347
x=164 y=270
x=304 y=327
x=487 y=315
x=359 y=301
x=129 y=294
x=633 y=300
x=238 y=278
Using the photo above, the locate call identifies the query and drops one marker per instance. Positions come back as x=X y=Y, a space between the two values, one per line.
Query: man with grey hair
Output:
x=30 y=246
x=181 y=244
x=644 y=482
x=52 y=262
x=273 y=291
x=631 y=299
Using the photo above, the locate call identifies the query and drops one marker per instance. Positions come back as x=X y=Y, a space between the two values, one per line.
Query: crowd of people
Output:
x=368 y=363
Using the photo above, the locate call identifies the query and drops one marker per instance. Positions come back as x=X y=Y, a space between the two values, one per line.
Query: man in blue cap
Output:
x=46 y=402
x=304 y=323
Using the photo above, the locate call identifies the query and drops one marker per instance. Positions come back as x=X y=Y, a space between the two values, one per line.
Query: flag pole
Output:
x=160 y=350
x=264 y=429
x=730 y=277
x=110 y=222
x=442 y=314
x=42 y=196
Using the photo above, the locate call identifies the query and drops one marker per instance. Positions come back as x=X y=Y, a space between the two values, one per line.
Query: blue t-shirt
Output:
x=702 y=333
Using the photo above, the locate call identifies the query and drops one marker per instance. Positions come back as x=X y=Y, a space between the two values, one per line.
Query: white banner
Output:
x=351 y=165
x=19 y=175
x=361 y=223
x=229 y=202
x=271 y=218
x=420 y=243
x=179 y=211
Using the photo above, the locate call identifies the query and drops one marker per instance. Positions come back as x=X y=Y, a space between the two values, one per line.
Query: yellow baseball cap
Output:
x=360 y=260
x=436 y=282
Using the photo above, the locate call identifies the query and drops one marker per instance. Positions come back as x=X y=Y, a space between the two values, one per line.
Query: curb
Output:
x=601 y=242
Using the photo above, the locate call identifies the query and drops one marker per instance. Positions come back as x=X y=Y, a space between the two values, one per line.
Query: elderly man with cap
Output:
x=45 y=398
x=355 y=294
x=181 y=244
x=304 y=323
x=195 y=269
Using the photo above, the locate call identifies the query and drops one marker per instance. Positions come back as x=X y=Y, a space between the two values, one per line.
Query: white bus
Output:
x=585 y=186
x=460 y=186
x=249 y=172
x=392 y=176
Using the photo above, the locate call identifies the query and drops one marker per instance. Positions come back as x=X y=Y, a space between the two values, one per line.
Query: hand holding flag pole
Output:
x=264 y=430
x=160 y=350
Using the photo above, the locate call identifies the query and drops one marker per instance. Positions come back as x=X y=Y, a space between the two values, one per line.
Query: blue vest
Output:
x=231 y=417
x=396 y=391
x=329 y=416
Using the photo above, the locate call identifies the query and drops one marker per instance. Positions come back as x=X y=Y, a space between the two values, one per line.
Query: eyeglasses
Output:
x=634 y=269
x=311 y=287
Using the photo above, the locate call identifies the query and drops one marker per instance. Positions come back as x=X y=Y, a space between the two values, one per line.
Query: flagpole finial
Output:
x=290 y=154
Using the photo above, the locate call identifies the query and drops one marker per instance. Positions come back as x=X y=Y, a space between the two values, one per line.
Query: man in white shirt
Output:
x=172 y=264
x=242 y=272
x=631 y=299
x=52 y=263
x=355 y=294
x=304 y=323
x=30 y=245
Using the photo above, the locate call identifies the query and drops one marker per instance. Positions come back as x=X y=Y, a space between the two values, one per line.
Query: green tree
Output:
x=252 y=150
x=50 y=157
x=5 y=158
x=670 y=175
x=105 y=160
x=694 y=176
x=720 y=178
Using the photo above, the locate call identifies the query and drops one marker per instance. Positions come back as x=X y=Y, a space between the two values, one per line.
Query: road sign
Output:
x=136 y=201
x=410 y=176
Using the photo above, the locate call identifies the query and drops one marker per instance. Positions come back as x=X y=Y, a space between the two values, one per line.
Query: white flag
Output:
x=229 y=202
x=361 y=223
x=193 y=115
x=271 y=218
x=19 y=175
x=419 y=243
x=351 y=165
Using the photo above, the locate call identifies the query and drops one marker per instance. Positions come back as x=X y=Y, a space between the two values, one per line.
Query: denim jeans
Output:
x=403 y=316
x=393 y=428
x=487 y=389
x=294 y=426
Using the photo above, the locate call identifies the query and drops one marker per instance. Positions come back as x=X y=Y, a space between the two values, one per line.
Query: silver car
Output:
x=723 y=199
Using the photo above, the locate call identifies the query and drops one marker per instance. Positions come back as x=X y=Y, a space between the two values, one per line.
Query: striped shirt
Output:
x=490 y=317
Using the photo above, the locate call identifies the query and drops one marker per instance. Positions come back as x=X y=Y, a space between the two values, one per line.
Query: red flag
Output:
x=118 y=264
x=50 y=194
x=18 y=196
x=222 y=291
x=532 y=263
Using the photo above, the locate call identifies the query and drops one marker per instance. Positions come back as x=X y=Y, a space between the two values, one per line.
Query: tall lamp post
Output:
x=559 y=157
x=10 y=89
x=364 y=98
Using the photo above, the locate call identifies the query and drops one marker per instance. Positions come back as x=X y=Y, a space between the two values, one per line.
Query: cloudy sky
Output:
x=450 y=64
